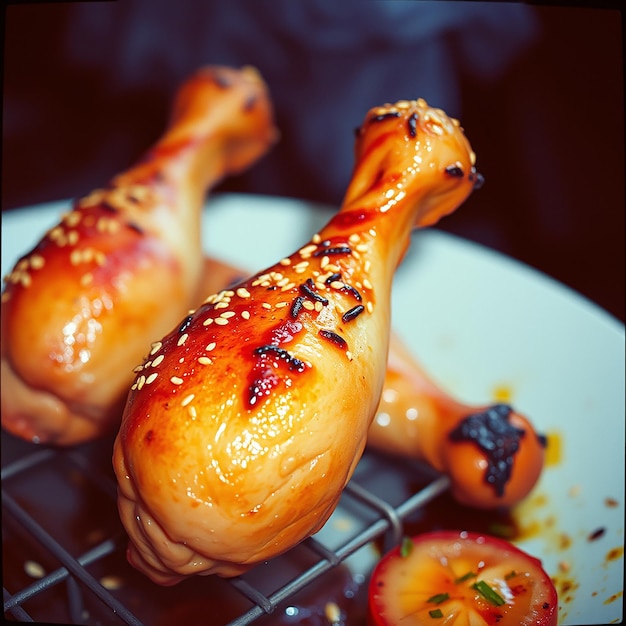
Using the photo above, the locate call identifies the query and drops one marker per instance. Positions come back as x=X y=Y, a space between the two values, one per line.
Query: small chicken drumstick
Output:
x=247 y=419
x=122 y=266
x=492 y=454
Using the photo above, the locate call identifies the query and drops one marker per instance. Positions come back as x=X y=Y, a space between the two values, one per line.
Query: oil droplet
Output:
x=502 y=393
x=554 y=449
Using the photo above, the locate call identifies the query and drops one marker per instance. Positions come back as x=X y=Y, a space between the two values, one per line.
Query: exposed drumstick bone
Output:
x=492 y=454
x=122 y=266
x=246 y=421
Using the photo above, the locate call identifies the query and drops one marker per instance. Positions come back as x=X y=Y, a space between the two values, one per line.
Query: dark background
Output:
x=87 y=88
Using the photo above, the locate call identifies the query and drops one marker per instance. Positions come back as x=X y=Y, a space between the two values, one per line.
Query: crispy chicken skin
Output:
x=245 y=421
x=492 y=454
x=122 y=266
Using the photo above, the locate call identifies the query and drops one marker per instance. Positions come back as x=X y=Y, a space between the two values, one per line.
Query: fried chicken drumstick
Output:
x=245 y=421
x=122 y=266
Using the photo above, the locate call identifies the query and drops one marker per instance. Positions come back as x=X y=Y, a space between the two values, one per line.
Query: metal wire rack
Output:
x=64 y=547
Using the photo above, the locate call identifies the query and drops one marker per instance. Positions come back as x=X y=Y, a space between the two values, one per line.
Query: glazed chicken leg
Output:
x=122 y=266
x=245 y=422
x=492 y=454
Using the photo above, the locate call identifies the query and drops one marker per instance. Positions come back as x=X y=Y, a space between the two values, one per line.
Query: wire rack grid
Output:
x=64 y=547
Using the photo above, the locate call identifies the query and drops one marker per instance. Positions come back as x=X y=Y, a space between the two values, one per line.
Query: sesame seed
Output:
x=325 y=261
x=336 y=284
x=283 y=281
x=37 y=261
x=354 y=238
x=367 y=266
x=367 y=284
x=151 y=378
x=25 y=280
x=204 y=360
x=158 y=360
x=76 y=256
x=349 y=355
x=55 y=233
x=192 y=411
x=222 y=304
x=331 y=267
x=245 y=315
x=308 y=305
x=86 y=279
x=208 y=321
x=288 y=286
x=175 y=380
x=182 y=339
x=140 y=381
x=307 y=250
x=34 y=569
x=318 y=306
x=316 y=238
x=111 y=582
x=137 y=369
x=266 y=305
x=285 y=261
x=242 y=292
x=228 y=293
x=72 y=237
x=72 y=218
x=134 y=386
x=187 y=399
x=369 y=306
x=221 y=321
x=362 y=247
x=211 y=346
x=280 y=305
x=227 y=314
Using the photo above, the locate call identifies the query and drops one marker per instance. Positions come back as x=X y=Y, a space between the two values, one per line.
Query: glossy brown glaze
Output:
x=122 y=266
x=245 y=422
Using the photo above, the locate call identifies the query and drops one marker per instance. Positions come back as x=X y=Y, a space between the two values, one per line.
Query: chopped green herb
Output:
x=435 y=613
x=492 y=596
x=406 y=548
x=462 y=579
x=502 y=529
x=510 y=575
x=438 y=598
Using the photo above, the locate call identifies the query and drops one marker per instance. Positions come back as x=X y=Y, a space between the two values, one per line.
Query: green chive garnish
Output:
x=435 y=613
x=492 y=596
x=462 y=579
x=438 y=598
x=406 y=548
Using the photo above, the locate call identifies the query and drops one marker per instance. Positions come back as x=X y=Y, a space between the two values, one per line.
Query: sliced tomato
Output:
x=460 y=578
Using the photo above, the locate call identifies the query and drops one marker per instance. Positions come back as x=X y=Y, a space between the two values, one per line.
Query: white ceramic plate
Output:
x=480 y=322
